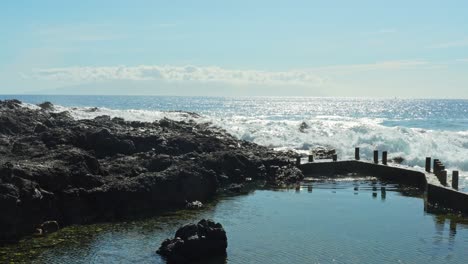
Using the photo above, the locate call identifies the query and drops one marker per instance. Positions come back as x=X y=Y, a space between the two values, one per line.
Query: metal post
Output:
x=435 y=165
x=376 y=156
x=428 y=164
x=311 y=158
x=384 y=158
x=438 y=167
x=356 y=154
x=443 y=177
x=441 y=168
x=455 y=180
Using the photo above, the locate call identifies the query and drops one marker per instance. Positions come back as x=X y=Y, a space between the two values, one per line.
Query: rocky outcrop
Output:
x=323 y=152
x=303 y=127
x=80 y=171
x=195 y=242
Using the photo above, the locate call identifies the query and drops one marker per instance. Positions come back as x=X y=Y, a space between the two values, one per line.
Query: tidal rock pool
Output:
x=347 y=220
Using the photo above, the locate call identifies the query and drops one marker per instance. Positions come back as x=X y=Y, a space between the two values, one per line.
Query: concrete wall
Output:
x=436 y=193
x=444 y=197
x=389 y=173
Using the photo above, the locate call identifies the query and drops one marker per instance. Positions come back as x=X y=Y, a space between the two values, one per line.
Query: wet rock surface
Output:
x=194 y=205
x=195 y=242
x=323 y=152
x=81 y=171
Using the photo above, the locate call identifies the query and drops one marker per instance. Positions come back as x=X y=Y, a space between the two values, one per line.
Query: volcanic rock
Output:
x=53 y=166
x=195 y=242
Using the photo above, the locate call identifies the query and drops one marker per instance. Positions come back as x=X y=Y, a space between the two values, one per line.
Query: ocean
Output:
x=411 y=128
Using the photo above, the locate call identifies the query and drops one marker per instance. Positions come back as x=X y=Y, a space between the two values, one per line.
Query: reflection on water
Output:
x=321 y=221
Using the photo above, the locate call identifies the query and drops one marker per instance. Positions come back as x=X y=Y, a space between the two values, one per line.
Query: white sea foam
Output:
x=129 y=115
x=346 y=134
x=341 y=133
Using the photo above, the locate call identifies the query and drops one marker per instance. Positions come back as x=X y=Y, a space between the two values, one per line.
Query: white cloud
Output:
x=318 y=76
x=178 y=73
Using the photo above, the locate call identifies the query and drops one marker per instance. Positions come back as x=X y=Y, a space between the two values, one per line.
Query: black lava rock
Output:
x=53 y=166
x=195 y=242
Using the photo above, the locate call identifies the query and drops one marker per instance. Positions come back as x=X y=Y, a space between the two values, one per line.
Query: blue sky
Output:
x=317 y=48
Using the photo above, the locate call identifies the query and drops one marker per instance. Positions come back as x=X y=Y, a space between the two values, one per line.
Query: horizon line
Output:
x=247 y=96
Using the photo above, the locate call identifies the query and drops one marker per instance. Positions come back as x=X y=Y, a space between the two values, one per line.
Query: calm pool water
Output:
x=326 y=221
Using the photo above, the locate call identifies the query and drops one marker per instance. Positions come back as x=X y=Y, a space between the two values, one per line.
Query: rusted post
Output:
x=356 y=154
x=298 y=161
x=335 y=157
x=311 y=158
x=384 y=157
x=438 y=167
x=455 y=180
x=428 y=164
x=435 y=165
x=376 y=156
x=443 y=177
x=441 y=168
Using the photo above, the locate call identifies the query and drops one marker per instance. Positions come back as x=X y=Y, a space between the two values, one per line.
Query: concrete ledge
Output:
x=386 y=172
x=436 y=193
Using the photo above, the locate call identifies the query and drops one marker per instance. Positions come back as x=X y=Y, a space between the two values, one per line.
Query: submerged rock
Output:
x=195 y=242
x=81 y=171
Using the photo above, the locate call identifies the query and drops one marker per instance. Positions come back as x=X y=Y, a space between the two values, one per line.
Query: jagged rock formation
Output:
x=195 y=242
x=53 y=167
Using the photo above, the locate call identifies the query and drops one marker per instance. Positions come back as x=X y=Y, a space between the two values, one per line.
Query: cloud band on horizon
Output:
x=315 y=76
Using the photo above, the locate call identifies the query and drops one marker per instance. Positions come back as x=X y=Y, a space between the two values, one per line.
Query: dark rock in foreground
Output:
x=195 y=242
x=53 y=167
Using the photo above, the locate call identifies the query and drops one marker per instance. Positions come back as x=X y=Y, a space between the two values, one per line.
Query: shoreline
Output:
x=56 y=168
